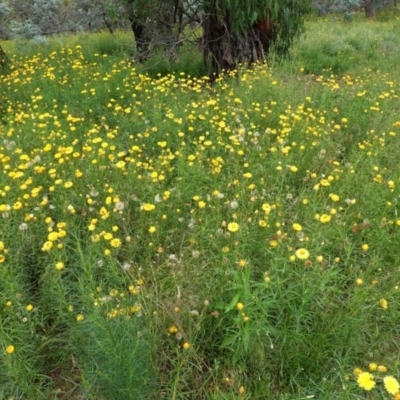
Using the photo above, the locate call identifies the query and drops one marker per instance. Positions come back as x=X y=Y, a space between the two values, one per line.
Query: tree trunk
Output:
x=141 y=41
x=3 y=59
x=224 y=49
x=370 y=10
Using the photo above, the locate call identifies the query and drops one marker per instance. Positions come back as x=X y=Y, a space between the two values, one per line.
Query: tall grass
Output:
x=164 y=238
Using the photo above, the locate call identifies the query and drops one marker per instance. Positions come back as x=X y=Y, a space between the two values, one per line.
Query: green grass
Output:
x=166 y=239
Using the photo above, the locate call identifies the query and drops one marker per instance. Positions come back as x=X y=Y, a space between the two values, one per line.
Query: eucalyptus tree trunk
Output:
x=3 y=59
x=225 y=49
x=141 y=41
x=370 y=10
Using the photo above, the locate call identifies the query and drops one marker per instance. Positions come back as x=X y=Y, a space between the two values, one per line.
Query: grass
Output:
x=163 y=238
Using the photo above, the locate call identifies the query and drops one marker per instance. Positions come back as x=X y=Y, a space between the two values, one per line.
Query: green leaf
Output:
x=233 y=303
x=230 y=340
x=246 y=336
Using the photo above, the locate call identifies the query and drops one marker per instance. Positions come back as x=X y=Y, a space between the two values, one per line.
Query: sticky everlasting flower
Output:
x=233 y=227
x=366 y=381
x=80 y=317
x=297 y=227
x=115 y=243
x=47 y=246
x=325 y=218
x=383 y=303
x=59 y=266
x=147 y=207
x=302 y=254
x=372 y=367
x=391 y=384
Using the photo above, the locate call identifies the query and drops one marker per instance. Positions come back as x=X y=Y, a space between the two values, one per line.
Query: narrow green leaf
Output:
x=233 y=302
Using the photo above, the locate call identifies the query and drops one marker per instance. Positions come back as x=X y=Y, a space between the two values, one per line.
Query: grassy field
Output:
x=162 y=238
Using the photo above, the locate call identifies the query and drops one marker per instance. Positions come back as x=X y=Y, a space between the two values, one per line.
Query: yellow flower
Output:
x=297 y=227
x=372 y=367
x=115 y=243
x=383 y=303
x=325 y=218
x=152 y=229
x=391 y=384
x=172 y=329
x=366 y=381
x=104 y=213
x=365 y=247
x=382 y=368
x=240 y=306
x=47 y=246
x=233 y=227
x=334 y=197
x=302 y=254
x=135 y=308
x=186 y=345
x=10 y=349
x=108 y=236
x=29 y=307
x=147 y=207
x=53 y=236
x=80 y=317
x=59 y=266
x=324 y=182
x=266 y=208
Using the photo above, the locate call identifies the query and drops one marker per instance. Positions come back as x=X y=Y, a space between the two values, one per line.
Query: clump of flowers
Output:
x=368 y=381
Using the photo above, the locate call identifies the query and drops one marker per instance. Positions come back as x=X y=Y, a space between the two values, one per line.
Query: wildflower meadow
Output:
x=162 y=237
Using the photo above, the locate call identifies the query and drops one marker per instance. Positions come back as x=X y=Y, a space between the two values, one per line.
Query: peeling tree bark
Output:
x=226 y=50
